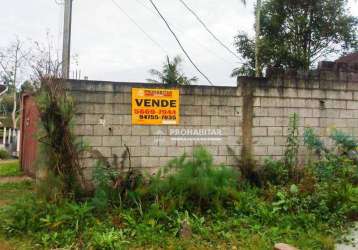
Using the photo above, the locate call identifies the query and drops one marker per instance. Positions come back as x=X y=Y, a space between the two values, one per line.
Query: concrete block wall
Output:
x=324 y=100
x=252 y=117
x=103 y=120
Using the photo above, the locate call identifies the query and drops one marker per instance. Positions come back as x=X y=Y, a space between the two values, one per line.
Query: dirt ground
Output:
x=14 y=179
x=4 y=246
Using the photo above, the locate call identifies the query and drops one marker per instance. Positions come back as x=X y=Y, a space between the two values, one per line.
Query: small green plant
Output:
x=338 y=162
x=283 y=171
x=275 y=172
x=114 y=187
x=291 y=152
x=344 y=142
x=4 y=154
x=109 y=239
x=313 y=143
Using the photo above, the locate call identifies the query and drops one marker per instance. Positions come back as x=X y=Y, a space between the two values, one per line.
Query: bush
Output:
x=325 y=189
x=4 y=155
x=275 y=172
x=114 y=187
x=193 y=184
x=336 y=163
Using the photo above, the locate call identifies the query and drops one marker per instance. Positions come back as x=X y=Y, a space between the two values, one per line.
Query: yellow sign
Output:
x=155 y=106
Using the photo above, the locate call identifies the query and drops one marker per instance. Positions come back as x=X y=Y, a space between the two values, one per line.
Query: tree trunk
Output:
x=14 y=120
x=13 y=115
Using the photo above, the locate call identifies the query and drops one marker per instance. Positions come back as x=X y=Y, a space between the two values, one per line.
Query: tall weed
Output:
x=285 y=170
x=60 y=149
x=115 y=187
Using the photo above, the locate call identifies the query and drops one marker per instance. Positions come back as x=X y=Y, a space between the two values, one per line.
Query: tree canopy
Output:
x=296 y=34
x=171 y=74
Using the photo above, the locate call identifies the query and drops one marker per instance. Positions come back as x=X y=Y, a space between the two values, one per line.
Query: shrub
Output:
x=275 y=172
x=313 y=143
x=193 y=184
x=114 y=187
x=337 y=175
x=337 y=163
x=4 y=155
x=344 y=142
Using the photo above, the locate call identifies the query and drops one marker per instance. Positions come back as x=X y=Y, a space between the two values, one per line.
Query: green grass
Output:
x=240 y=217
x=9 y=192
x=10 y=168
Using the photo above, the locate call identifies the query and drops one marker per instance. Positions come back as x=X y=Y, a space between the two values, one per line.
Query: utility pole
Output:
x=257 y=39
x=66 y=50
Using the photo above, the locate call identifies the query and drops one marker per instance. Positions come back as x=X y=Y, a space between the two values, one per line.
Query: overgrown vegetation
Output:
x=60 y=149
x=282 y=171
x=193 y=203
x=4 y=155
x=9 y=192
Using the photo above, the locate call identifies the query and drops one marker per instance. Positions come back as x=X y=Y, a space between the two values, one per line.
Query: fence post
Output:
x=9 y=137
x=18 y=134
x=4 y=137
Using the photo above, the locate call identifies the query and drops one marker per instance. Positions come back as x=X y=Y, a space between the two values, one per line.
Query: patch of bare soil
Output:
x=5 y=246
x=7 y=161
x=14 y=179
x=2 y=204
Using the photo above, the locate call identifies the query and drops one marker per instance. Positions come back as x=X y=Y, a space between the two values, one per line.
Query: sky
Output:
x=107 y=46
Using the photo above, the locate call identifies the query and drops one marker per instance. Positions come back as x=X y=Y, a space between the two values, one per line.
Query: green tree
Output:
x=296 y=34
x=171 y=74
x=257 y=64
x=29 y=86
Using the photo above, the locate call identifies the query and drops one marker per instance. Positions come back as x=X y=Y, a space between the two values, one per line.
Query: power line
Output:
x=181 y=46
x=139 y=27
x=181 y=28
x=208 y=30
